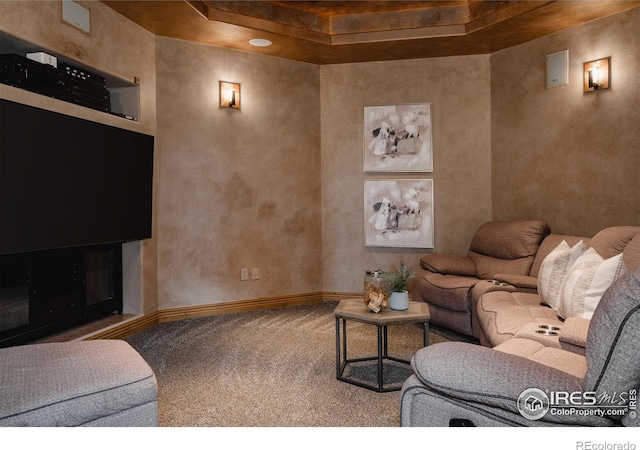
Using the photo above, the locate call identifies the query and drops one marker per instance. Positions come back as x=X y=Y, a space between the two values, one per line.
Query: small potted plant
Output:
x=398 y=279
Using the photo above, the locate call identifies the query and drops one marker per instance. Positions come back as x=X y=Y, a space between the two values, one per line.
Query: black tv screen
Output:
x=66 y=181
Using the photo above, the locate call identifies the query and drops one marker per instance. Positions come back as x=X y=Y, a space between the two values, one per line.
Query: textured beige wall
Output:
x=115 y=46
x=458 y=90
x=237 y=188
x=569 y=157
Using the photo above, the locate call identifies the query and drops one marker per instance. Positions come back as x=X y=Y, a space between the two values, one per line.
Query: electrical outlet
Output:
x=255 y=274
x=244 y=274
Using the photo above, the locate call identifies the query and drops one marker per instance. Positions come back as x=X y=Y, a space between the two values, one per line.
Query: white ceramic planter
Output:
x=399 y=301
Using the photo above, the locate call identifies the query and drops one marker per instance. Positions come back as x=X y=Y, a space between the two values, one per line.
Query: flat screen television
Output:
x=68 y=182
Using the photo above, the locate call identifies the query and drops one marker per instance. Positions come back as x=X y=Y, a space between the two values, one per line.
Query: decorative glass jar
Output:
x=376 y=295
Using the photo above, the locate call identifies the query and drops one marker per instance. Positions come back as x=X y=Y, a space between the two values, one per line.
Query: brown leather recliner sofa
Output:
x=504 y=257
x=503 y=315
x=502 y=252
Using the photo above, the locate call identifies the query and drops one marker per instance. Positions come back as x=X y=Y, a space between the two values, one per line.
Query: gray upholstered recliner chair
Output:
x=100 y=383
x=474 y=385
x=500 y=249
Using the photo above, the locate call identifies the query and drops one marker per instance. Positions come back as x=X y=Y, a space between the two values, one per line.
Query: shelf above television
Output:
x=124 y=95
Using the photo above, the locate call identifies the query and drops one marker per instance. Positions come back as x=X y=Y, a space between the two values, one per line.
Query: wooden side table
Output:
x=355 y=309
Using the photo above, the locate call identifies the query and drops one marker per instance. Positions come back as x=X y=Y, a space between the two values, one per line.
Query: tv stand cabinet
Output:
x=46 y=292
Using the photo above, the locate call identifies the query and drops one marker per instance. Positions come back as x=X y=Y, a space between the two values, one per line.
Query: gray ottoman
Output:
x=87 y=383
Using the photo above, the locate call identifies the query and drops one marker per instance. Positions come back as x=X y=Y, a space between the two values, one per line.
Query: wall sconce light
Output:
x=229 y=95
x=597 y=74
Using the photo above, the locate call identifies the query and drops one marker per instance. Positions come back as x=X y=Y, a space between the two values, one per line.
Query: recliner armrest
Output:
x=448 y=264
x=520 y=282
x=484 y=376
x=574 y=331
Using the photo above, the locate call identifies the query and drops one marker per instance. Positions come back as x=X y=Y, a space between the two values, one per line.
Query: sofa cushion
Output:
x=506 y=247
x=509 y=239
x=502 y=314
x=631 y=253
x=487 y=266
x=568 y=362
x=585 y=283
x=613 y=342
x=553 y=270
x=613 y=240
x=523 y=283
x=448 y=264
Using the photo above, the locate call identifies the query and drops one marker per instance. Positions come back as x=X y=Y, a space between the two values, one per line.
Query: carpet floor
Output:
x=271 y=368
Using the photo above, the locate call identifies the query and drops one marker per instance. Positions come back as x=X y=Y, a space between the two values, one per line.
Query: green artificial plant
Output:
x=398 y=279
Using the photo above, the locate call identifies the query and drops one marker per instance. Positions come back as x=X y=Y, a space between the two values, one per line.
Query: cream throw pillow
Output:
x=586 y=282
x=553 y=269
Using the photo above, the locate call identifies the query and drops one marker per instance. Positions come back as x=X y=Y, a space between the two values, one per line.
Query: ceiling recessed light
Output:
x=260 y=42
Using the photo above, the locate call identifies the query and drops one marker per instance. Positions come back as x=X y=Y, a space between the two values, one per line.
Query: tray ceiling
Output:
x=332 y=32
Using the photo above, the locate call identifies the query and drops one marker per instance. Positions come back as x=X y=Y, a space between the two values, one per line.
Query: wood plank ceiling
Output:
x=332 y=32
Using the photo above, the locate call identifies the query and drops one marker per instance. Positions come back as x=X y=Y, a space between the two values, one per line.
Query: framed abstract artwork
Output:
x=398 y=138
x=398 y=213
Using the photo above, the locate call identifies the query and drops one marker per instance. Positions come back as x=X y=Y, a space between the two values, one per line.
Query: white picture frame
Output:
x=398 y=213
x=398 y=138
